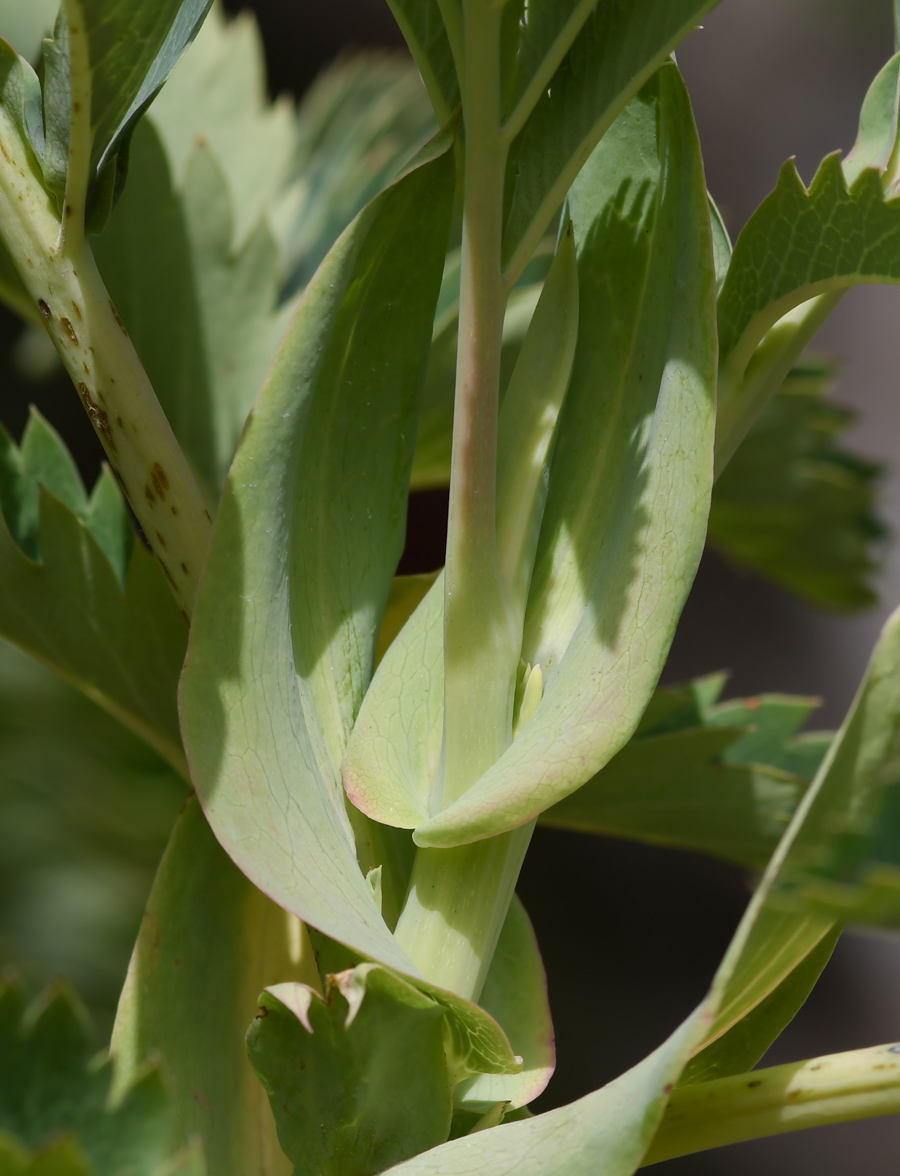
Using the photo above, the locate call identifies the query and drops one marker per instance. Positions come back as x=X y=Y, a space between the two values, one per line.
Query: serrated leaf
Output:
x=313 y=513
x=619 y=47
x=794 y=507
x=61 y=598
x=209 y=943
x=357 y=1080
x=51 y=1085
x=722 y=783
x=597 y=613
x=422 y=26
x=202 y=315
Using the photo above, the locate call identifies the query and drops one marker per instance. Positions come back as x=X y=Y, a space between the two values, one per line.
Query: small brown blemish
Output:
x=168 y=575
x=87 y=370
x=161 y=540
x=120 y=422
x=149 y=495
x=116 y=317
x=77 y=310
x=160 y=480
x=68 y=210
x=174 y=509
x=262 y=1014
x=5 y=156
x=208 y=515
x=99 y=418
x=76 y=106
x=44 y=308
x=184 y=568
x=176 y=962
x=667 y=1089
x=66 y=325
x=756 y=1082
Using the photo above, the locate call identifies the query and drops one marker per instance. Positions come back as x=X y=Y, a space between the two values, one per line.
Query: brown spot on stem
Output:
x=44 y=308
x=120 y=422
x=168 y=575
x=5 y=156
x=209 y=517
x=66 y=325
x=160 y=481
x=184 y=568
x=162 y=541
x=149 y=495
x=87 y=370
x=116 y=317
x=174 y=509
x=77 y=310
x=76 y=106
x=99 y=418
x=756 y=1082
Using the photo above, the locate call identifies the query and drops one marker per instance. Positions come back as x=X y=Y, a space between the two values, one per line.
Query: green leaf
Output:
x=407 y=593
x=62 y=599
x=744 y=1044
x=313 y=517
x=24 y=25
x=52 y=1085
x=423 y=28
x=86 y=810
x=202 y=314
x=835 y=862
x=723 y=781
x=612 y=571
x=357 y=1080
x=118 y=56
x=796 y=509
x=515 y=994
x=210 y=942
x=618 y=49
x=550 y=28
x=805 y=247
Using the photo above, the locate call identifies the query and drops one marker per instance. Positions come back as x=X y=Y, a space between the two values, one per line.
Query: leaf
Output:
x=612 y=571
x=796 y=509
x=24 y=25
x=357 y=1080
x=515 y=994
x=422 y=26
x=61 y=598
x=619 y=47
x=209 y=943
x=745 y=1044
x=723 y=780
x=550 y=28
x=119 y=54
x=407 y=593
x=51 y=1085
x=86 y=810
x=834 y=863
x=202 y=315
x=302 y=561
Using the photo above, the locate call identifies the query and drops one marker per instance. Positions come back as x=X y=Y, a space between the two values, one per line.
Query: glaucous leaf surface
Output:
x=612 y=572
x=796 y=508
x=210 y=942
x=202 y=312
x=86 y=810
x=51 y=1085
x=303 y=557
x=423 y=27
x=79 y=594
x=618 y=48
x=356 y=1078
x=722 y=779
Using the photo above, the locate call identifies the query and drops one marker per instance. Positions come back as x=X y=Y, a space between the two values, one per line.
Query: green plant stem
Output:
x=456 y=907
x=835 y=1089
x=62 y=280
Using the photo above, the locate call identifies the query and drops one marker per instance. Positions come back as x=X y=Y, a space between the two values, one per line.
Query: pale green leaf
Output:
x=202 y=314
x=612 y=571
x=61 y=597
x=794 y=507
x=357 y=1080
x=407 y=593
x=617 y=50
x=515 y=994
x=423 y=27
x=51 y=1085
x=306 y=543
x=210 y=942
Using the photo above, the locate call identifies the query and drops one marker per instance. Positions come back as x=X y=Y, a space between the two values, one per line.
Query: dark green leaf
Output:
x=796 y=509
x=62 y=599
x=423 y=27
x=357 y=1081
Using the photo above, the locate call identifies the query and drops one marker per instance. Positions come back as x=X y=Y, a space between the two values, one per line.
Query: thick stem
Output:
x=835 y=1089
x=93 y=344
x=456 y=906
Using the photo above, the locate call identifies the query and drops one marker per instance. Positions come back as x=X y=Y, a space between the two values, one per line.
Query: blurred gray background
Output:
x=631 y=936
